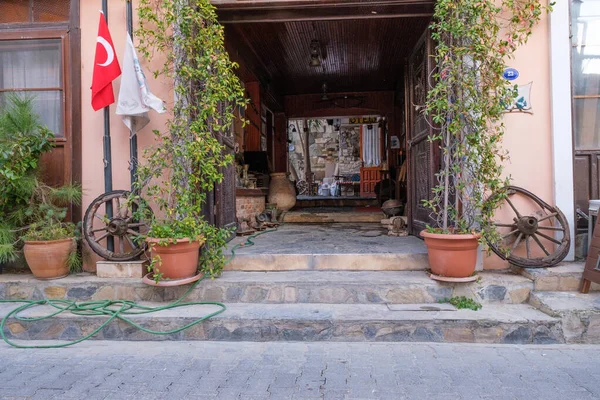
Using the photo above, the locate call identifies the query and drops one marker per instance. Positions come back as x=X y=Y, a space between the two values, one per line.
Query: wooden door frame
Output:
x=408 y=115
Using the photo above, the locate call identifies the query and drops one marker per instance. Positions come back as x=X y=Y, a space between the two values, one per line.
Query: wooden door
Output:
x=369 y=176
x=224 y=194
x=423 y=159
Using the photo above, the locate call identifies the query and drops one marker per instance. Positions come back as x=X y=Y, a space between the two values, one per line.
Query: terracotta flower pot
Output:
x=281 y=191
x=452 y=255
x=176 y=260
x=48 y=259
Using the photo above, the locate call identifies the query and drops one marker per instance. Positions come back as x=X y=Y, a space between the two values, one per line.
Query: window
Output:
x=586 y=73
x=34 y=68
x=15 y=11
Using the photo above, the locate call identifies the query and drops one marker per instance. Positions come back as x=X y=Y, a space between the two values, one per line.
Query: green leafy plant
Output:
x=475 y=39
x=183 y=167
x=462 y=302
x=29 y=208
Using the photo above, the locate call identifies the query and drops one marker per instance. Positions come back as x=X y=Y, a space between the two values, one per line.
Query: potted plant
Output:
x=474 y=40
x=51 y=250
x=188 y=159
x=32 y=213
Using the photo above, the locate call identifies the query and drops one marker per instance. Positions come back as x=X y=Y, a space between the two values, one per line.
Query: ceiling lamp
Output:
x=324 y=87
x=315 y=53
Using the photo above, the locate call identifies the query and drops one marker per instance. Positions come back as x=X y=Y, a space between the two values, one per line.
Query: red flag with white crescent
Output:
x=106 y=68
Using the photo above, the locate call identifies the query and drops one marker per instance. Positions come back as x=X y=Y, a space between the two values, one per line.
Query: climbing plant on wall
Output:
x=474 y=41
x=187 y=161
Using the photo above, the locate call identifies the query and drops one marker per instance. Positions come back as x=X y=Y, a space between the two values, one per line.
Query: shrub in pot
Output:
x=51 y=250
x=188 y=159
x=466 y=104
x=32 y=213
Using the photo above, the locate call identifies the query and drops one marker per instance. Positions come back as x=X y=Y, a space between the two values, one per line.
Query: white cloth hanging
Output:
x=135 y=98
x=371 y=145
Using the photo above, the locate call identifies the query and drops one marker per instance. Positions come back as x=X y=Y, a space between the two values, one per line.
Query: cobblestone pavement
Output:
x=225 y=370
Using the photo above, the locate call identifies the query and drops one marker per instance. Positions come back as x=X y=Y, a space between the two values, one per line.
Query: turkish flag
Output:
x=106 y=68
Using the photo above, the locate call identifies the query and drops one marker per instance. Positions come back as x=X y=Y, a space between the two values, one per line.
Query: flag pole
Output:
x=110 y=245
x=133 y=150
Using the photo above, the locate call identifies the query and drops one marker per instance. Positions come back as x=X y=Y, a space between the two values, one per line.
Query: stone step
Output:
x=580 y=313
x=564 y=277
x=308 y=217
x=336 y=287
x=408 y=261
x=518 y=323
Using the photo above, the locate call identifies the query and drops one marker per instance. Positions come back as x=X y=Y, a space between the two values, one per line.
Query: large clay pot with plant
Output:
x=174 y=258
x=281 y=191
x=451 y=255
x=49 y=259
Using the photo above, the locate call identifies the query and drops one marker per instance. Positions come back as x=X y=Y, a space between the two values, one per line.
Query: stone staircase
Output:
x=306 y=305
x=556 y=293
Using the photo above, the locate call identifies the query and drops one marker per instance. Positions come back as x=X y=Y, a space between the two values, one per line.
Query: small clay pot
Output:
x=176 y=260
x=451 y=255
x=48 y=259
x=281 y=191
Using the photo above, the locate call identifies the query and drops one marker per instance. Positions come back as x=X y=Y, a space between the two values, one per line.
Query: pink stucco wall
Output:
x=528 y=136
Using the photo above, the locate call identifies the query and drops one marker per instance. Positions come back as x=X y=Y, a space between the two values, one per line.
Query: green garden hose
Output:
x=113 y=309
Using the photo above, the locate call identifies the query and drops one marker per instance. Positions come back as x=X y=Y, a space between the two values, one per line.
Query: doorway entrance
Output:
x=337 y=93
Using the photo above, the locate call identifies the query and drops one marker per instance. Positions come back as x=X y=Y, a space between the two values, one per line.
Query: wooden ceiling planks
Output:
x=234 y=11
x=356 y=55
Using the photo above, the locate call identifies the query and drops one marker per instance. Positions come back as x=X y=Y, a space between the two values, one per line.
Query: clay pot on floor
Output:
x=177 y=260
x=451 y=255
x=49 y=259
x=281 y=191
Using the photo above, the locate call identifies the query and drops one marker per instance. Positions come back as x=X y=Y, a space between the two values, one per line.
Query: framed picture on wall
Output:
x=394 y=142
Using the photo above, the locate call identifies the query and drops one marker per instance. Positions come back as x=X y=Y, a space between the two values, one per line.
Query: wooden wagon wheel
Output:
x=544 y=223
x=124 y=229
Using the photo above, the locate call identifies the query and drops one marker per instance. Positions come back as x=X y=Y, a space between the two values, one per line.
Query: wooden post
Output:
x=252 y=137
x=281 y=144
x=306 y=143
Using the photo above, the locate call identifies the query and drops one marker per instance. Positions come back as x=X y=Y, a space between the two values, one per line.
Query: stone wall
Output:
x=349 y=154
x=248 y=206
x=328 y=145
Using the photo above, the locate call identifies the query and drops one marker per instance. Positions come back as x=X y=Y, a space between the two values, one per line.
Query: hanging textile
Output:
x=371 y=145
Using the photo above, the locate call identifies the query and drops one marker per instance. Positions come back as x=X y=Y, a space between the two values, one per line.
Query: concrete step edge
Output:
x=322 y=322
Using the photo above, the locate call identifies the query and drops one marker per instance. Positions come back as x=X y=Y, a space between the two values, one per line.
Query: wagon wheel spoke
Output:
x=550 y=238
x=118 y=201
x=99 y=238
x=540 y=244
x=513 y=207
x=552 y=228
x=510 y=234
x=547 y=217
x=517 y=241
x=133 y=246
x=132 y=232
x=103 y=228
x=527 y=246
x=505 y=225
x=137 y=224
x=99 y=217
x=121 y=245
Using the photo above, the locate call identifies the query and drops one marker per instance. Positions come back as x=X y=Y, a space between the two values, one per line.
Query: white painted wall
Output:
x=561 y=118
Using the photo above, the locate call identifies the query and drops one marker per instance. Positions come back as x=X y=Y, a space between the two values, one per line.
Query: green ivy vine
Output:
x=188 y=158
x=474 y=40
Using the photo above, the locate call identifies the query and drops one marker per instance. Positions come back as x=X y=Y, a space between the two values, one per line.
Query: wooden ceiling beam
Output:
x=324 y=12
